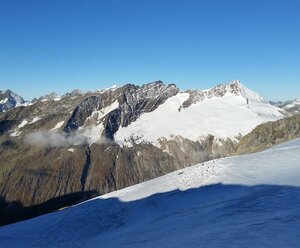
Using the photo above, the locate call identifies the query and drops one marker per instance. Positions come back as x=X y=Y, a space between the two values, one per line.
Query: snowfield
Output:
x=223 y=117
x=244 y=201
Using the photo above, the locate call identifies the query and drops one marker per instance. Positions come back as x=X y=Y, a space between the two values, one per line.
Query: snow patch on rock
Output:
x=58 y=126
x=3 y=101
x=99 y=114
x=35 y=119
x=23 y=123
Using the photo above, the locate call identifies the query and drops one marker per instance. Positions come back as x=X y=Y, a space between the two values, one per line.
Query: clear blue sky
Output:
x=60 y=45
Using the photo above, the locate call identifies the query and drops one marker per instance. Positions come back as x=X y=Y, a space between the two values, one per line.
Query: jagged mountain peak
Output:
x=9 y=100
x=76 y=92
x=158 y=87
x=236 y=88
x=157 y=84
x=50 y=96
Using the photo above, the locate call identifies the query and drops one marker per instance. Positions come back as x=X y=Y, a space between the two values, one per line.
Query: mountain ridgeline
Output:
x=65 y=147
x=292 y=107
x=9 y=100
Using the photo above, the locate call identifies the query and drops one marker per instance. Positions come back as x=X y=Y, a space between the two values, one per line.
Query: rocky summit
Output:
x=9 y=100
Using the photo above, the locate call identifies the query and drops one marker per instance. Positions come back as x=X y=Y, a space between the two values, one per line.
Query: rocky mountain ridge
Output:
x=60 y=146
x=292 y=107
x=9 y=100
x=236 y=88
x=269 y=134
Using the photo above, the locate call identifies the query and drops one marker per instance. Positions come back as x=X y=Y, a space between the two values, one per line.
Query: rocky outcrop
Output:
x=219 y=148
x=235 y=88
x=270 y=134
x=133 y=101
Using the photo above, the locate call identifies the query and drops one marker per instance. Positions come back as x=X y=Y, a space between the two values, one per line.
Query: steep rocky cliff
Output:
x=269 y=134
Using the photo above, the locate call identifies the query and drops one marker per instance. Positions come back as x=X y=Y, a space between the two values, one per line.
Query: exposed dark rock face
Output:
x=44 y=173
x=219 y=148
x=270 y=134
x=81 y=113
x=195 y=96
x=14 y=211
x=133 y=101
x=86 y=168
x=6 y=125
x=185 y=151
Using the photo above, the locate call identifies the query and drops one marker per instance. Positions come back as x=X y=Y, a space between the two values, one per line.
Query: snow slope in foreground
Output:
x=244 y=201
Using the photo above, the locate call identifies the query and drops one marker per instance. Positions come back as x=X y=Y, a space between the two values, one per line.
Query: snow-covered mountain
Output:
x=225 y=111
x=9 y=100
x=242 y=201
x=106 y=140
x=191 y=114
x=292 y=107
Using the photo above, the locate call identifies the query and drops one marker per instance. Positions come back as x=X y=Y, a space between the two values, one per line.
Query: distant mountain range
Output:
x=59 y=150
x=9 y=99
x=292 y=107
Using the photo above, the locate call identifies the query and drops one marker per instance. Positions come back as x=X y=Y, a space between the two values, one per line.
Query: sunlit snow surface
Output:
x=244 y=201
x=223 y=117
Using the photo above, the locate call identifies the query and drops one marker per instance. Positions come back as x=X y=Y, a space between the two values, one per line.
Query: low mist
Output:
x=54 y=139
